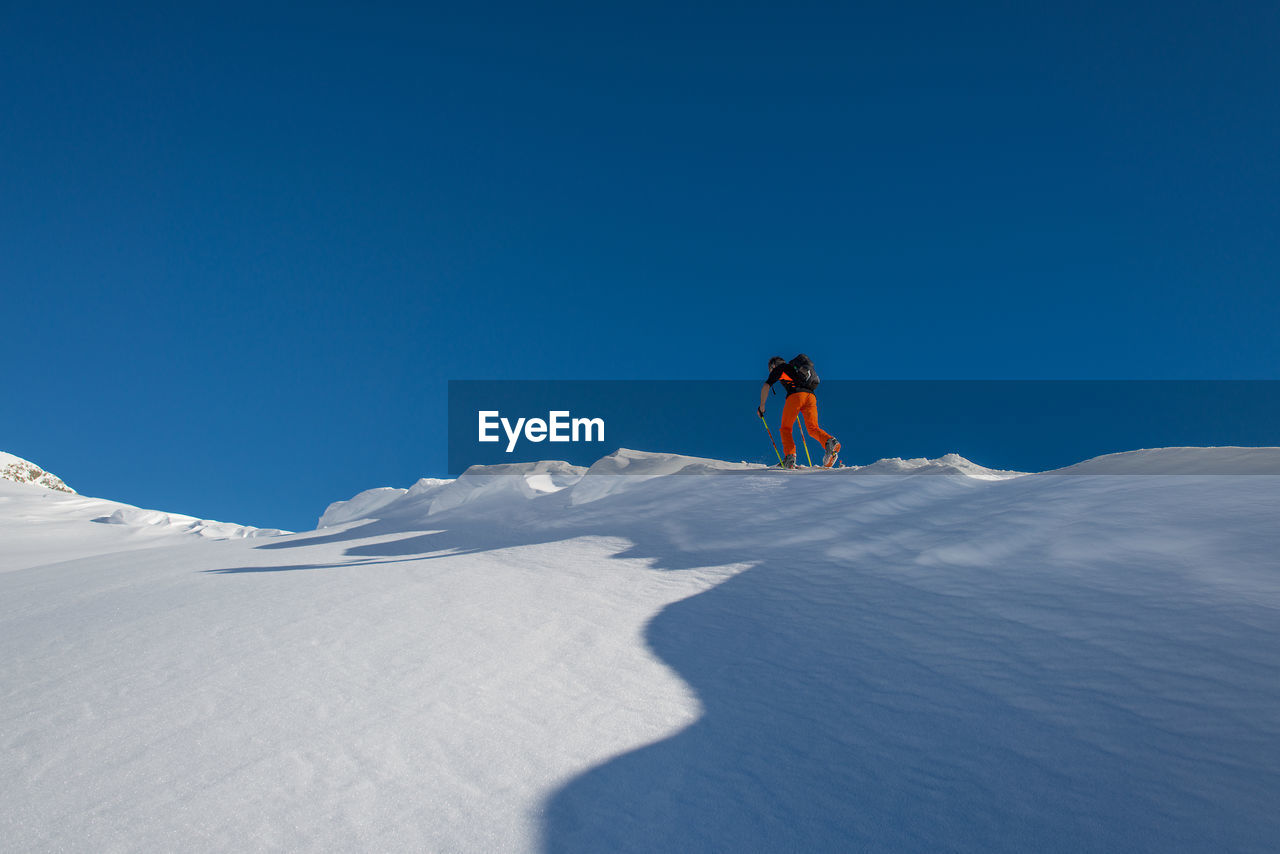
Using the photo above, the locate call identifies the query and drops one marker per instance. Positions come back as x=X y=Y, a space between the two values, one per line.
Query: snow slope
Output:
x=38 y=524
x=695 y=656
x=1182 y=461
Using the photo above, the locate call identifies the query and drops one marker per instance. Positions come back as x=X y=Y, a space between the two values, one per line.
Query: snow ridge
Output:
x=619 y=472
x=40 y=515
x=626 y=469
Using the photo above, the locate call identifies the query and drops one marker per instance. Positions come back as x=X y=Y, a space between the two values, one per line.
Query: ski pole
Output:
x=804 y=437
x=765 y=424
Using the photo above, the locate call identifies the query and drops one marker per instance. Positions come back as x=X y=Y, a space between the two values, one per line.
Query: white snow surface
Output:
x=1182 y=461
x=38 y=525
x=692 y=656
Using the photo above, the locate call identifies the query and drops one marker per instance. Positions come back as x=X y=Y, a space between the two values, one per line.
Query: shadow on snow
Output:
x=846 y=709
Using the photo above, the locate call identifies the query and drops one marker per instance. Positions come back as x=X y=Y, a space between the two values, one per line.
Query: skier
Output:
x=799 y=379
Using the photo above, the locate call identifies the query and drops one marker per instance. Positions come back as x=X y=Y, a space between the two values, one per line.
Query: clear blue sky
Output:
x=243 y=246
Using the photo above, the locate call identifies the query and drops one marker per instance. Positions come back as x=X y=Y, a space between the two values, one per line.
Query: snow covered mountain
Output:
x=18 y=470
x=41 y=519
x=662 y=653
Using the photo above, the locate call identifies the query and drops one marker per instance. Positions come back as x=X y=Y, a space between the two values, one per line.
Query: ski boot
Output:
x=833 y=451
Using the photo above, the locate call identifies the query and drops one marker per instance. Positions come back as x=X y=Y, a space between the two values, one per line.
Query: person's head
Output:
x=775 y=361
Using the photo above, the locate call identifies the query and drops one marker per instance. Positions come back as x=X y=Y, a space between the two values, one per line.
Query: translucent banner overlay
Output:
x=1017 y=425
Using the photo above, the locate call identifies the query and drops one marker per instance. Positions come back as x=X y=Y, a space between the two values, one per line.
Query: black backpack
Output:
x=803 y=372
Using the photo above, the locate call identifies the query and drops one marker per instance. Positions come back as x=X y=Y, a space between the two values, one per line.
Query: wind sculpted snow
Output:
x=698 y=656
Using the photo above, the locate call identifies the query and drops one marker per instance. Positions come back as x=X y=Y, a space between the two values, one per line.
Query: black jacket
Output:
x=783 y=373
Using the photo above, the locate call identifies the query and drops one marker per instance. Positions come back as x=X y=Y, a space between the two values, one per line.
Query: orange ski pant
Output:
x=801 y=403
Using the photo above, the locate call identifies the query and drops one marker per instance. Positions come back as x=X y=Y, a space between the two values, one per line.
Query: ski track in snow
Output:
x=765 y=661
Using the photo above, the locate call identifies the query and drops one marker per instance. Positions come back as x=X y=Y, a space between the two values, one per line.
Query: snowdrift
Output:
x=662 y=653
x=626 y=469
x=179 y=523
x=616 y=473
